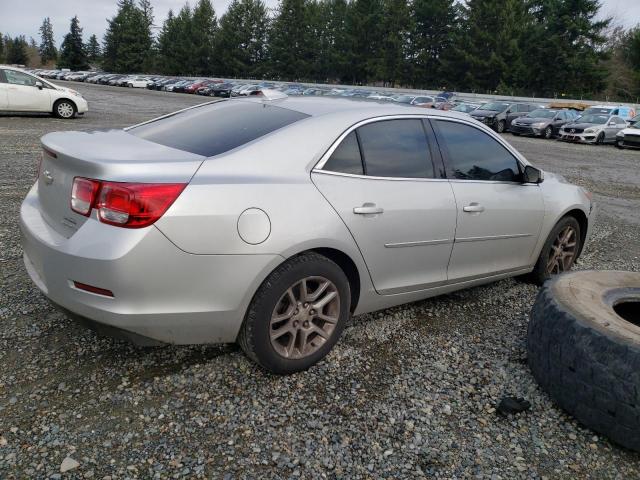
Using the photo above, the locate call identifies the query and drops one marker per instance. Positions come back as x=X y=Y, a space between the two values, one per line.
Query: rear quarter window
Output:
x=213 y=129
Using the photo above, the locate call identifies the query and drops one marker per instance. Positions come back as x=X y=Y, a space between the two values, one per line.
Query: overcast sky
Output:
x=19 y=17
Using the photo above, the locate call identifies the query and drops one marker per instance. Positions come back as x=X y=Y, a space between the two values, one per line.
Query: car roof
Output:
x=325 y=105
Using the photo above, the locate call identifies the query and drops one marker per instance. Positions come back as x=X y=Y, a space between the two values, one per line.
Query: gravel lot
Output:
x=409 y=392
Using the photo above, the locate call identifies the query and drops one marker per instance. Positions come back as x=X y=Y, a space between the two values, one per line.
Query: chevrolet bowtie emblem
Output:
x=48 y=178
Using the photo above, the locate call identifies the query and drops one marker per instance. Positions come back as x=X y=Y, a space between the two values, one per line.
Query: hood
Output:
x=569 y=126
x=484 y=113
x=630 y=131
x=531 y=120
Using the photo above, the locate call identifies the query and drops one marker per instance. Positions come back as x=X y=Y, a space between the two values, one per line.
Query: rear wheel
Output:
x=559 y=252
x=64 y=109
x=297 y=315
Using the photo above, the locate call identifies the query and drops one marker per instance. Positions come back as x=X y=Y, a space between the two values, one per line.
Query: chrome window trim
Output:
x=318 y=168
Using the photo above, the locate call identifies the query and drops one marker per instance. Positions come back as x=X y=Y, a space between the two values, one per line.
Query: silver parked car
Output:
x=593 y=128
x=269 y=221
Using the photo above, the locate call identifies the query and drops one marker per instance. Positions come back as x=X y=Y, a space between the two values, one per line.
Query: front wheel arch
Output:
x=64 y=99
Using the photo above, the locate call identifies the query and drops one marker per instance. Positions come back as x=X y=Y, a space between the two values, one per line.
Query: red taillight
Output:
x=83 y=195
x=129 y=205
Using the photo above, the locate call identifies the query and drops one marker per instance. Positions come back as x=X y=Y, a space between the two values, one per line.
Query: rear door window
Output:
x=216 y=128
x=396 y=148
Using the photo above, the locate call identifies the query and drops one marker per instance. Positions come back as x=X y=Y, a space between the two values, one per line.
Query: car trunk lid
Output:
x=113 y=155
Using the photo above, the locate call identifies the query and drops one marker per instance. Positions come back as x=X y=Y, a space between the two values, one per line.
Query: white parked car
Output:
x=23 y=92
x=137 y=82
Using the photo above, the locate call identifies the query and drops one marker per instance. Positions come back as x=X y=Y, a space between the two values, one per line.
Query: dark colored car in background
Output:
x=517 y=110
x=493 y=114
x=543 y=122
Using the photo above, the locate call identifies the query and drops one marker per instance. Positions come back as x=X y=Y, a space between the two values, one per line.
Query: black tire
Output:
x=548 y=133
x=600 y=139
x=539 y=274
x=254 y=338
x=515 y=134
x=62 y=106
x=619 y=144
x=500 y=126
x=585 y=355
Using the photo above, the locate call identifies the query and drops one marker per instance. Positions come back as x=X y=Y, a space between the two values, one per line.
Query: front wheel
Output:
x=297 y=314
x=600 y=139
x=501 y=126
x=64 y=109
x=559 y=252
x=548 y=133
x=619 y=144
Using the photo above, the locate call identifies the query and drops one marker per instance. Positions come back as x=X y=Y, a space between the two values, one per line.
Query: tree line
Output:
x=532 y=47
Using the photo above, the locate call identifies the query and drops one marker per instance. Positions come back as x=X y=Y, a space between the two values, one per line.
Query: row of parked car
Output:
x=576 y=122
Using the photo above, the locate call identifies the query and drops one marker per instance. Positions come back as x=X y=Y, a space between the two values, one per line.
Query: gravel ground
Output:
x=409 y=392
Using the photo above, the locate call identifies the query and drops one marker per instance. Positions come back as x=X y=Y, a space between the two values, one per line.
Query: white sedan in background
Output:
x=137 y=82
x=23 y=92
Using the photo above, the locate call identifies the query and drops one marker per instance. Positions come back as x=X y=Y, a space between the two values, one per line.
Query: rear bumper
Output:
x=159 y=291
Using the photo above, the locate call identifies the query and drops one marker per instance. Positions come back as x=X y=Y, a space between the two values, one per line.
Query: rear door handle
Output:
x=473 y=208
x=368 y=209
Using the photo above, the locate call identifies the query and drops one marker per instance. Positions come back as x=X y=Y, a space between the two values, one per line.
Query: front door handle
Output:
x=368 y=209
x=473 y=208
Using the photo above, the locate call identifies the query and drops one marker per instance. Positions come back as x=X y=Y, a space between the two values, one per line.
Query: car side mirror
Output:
x=39 y=85
x=533 y=175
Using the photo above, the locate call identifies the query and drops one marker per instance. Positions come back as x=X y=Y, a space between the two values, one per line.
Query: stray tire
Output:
x=559 y=252
x=583 y=344
x=548 y=133
x=501 y=126
x=64 y=109
x=297 y=314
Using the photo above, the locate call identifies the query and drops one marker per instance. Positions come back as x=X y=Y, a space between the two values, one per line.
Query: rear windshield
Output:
x=217 y=128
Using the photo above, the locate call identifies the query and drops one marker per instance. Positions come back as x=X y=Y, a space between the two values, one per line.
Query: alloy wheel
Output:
x=65 y=110
x=305 y=317
x=563 y=251
x=548 y=133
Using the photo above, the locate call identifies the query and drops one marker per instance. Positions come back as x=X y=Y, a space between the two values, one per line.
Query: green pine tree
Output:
x=17 y=50
x=47 y=48
x=72 y=54
x=290 y=45
x=432 y=33
x=93 y=49
x=127 y=44
x=203 y=31
x=396 y=27
x=2 y=48
x=242 y=39
x=364 y=22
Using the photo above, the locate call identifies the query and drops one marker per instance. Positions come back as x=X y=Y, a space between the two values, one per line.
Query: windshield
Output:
x=601 y=111
x=540 y=113
x=599 y=119
x=404 y=98
x=464 y=108
x=495 y=106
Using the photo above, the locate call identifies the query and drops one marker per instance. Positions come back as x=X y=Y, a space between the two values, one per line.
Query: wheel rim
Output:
x=65 y=110
x=305 y=317
x=548 y=132
x=500 y=126
x=563 y=251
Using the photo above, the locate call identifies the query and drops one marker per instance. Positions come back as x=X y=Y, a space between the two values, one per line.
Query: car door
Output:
x=23 y=95
x=499 y=217
x=559 y=120
x=4 y=102
x=385 y=181
x=611 y=128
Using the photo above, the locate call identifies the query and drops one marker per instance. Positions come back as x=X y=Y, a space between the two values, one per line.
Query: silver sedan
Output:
x=268 y=221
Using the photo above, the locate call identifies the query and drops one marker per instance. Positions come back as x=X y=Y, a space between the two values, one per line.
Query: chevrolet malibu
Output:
x=269 y=220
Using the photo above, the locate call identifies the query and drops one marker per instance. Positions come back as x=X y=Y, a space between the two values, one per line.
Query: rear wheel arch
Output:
x=349 y=268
